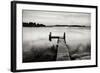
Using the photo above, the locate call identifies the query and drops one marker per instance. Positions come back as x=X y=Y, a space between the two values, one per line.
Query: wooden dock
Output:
x=62 y=50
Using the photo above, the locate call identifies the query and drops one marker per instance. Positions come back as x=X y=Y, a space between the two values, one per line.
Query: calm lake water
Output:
x=39 y=36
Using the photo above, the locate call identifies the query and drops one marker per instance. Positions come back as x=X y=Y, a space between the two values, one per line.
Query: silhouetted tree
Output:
x=31 y=24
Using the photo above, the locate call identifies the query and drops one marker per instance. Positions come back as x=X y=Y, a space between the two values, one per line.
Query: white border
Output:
x=37 y=65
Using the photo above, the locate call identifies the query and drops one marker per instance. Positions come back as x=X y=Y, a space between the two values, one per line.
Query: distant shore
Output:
x=31 y=24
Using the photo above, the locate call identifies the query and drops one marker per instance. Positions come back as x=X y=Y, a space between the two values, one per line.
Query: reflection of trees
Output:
x=31 y=24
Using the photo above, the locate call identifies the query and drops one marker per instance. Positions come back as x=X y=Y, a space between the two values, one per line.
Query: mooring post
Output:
x=64 y=36
x=50 y=36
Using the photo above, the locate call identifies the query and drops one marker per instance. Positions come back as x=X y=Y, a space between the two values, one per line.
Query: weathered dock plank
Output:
x=62 y=51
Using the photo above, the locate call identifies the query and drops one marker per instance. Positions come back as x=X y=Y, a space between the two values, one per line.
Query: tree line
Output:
x=32 y=24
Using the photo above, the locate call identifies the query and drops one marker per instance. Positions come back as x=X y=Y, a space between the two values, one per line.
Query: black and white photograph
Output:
x=47 y=36
x=56 y=36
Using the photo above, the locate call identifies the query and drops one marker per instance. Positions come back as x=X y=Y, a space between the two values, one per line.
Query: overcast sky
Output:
x=56 y=18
